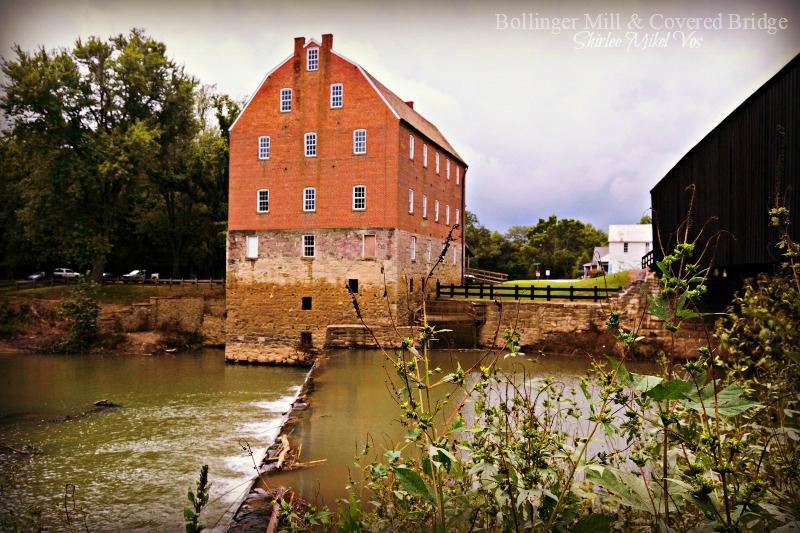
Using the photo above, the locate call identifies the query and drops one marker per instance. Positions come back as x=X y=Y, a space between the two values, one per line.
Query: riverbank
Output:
x=131 y=321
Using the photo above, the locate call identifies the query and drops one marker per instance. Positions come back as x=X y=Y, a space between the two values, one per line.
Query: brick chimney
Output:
x=299 y=43
x=410 y=104
x=327 y=41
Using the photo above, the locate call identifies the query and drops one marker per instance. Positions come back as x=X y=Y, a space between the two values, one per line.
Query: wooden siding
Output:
x=733 y=170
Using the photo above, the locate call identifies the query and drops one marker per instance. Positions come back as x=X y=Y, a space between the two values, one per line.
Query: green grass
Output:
x=121 y=294
x=612 y=281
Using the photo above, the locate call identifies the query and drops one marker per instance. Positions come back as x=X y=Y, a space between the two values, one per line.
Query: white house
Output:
x=627 y=243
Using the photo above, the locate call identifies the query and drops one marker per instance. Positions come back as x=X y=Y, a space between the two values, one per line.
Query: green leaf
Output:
x=729 y=401
x=674 y=389
x=623 y=376
x=413 y=483
x=593 y=523
x=658 y=307
x=644 y=383
x=441 y=456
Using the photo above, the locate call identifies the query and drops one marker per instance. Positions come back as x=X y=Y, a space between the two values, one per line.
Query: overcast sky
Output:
x=547 y=124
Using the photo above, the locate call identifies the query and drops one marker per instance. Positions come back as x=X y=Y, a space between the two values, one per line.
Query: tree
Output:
x=646 y=219
x=562 y=246
x=98 y=124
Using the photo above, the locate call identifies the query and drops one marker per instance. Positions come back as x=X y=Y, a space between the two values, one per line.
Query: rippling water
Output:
x=132 y=466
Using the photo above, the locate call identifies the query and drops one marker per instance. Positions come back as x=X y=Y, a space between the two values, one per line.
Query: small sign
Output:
x=547 y=273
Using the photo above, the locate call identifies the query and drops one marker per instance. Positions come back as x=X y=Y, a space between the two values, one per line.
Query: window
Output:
x=447 y=215
x=263 y=147
x=309 y=199
x=411 y=147
x=458 y=174
x=305 y=303
x=311 y=144
x=309 y=246
x=424 y=206
x=312 y=59
x=458 y=216
x=360 y=141
x=286 y=100
x=410 y=201
x=436 y=160
x=352 y=285
x=252 y=247
x=625 y=247
x=436 y=210
x=447 y=168
x=413 y=248
x=262 y=202
x=430 y=250
x=370 y=247
x=425 y=155
x=360 y=197
x=337 y=95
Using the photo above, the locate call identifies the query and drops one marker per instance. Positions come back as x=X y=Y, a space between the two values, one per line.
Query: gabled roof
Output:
x=399 y=108
x=630 y=233
x=407 y=114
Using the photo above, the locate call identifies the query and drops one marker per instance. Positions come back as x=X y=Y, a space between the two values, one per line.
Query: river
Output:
x=132 y=466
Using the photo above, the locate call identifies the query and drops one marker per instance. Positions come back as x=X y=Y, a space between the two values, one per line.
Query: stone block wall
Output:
x=266 y=321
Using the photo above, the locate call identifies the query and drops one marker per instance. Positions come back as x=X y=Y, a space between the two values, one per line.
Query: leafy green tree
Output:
x=561 y=246
x=97 y=124
x=646 y=219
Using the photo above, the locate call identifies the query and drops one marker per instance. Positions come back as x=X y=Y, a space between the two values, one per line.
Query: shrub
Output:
x=80 y=307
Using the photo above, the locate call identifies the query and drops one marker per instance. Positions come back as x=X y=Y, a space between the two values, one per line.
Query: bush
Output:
x=80 y=307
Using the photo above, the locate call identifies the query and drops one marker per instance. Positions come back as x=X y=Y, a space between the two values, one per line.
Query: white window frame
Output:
x=259 y=201
x=337 y=95
x=436 y=210
x=413 y=248
x=436 y=161
x=263 y=147
x=359 y=145
x=447 y=214
x=458 y=175
x=447 y=168
x=411 y=147
x=424 y=206
x=310 y=142
x=312 y=58
x=362 y=197
x=248 y=247
x=410 y=201
x=425 y=155
x=286 y=100
x=309 y=199
x=308 y=240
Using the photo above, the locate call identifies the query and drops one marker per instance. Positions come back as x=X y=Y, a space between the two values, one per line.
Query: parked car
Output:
x=154 y=276
x=134 y=275
x=108 y=276
x=65 y=273
x=36 y=276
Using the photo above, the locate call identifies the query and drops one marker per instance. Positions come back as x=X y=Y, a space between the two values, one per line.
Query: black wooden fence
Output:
x=523 y=292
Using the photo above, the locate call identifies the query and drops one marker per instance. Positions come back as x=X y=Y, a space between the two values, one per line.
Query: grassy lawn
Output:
x=122 y=294
x=612 y=281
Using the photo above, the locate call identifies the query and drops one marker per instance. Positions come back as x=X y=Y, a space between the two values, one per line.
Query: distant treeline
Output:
x=112 y=158
x=561 y=246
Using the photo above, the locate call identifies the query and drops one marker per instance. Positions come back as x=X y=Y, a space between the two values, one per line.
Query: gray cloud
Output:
x=545 y=128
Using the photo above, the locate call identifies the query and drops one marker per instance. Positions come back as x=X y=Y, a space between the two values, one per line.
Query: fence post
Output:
x=452 y=290
x=571 y=293
x=438 y=288
x=480 y=292
x=595 y=293
x=548 y=293
x=516 y=291
x=491 y=291
x=533 y=291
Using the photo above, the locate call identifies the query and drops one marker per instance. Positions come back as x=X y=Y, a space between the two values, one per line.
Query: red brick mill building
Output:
x=334 y=181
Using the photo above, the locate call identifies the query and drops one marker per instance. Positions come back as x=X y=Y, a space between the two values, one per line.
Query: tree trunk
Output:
x=98 y=265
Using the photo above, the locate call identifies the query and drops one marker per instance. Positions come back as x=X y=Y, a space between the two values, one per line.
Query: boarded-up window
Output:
x=252 y=246
x=369 y=247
